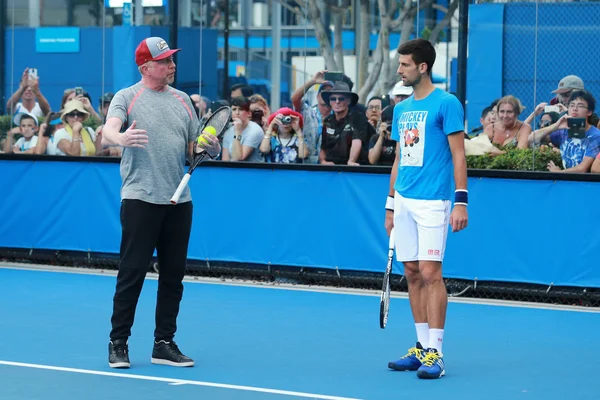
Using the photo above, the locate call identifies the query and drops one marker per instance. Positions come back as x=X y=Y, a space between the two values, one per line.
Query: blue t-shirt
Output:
x=572 y=151
x=425 y=169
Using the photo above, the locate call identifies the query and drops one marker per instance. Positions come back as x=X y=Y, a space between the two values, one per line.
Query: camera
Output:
x=286 y=120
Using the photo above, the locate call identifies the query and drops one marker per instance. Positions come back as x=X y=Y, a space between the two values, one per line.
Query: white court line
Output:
x=301 y=288
x=173 y=381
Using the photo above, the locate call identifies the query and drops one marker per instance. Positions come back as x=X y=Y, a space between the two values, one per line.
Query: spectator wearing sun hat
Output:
x=74 y=139
x=346 y=132
x=283 y=142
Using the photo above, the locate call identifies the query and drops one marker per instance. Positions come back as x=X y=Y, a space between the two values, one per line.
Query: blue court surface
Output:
x=259 y=343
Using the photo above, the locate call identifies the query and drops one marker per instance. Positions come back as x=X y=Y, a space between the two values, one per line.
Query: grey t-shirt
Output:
x=251 y=136
x=153 y=173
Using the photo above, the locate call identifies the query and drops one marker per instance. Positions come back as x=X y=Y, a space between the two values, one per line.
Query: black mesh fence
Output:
x=333 y=278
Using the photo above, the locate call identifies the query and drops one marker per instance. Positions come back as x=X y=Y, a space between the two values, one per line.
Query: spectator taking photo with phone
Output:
x=577 y=139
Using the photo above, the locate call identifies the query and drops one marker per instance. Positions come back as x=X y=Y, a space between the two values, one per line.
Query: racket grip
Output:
x=180 y=188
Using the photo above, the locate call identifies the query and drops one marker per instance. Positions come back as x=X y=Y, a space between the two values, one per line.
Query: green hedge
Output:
x=532 y=159
x=6 y=124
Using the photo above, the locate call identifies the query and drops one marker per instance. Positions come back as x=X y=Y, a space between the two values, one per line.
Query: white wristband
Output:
x=389 y=203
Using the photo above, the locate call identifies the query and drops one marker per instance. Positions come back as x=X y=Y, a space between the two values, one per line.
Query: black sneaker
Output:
x=118 y=354
x=167 y=353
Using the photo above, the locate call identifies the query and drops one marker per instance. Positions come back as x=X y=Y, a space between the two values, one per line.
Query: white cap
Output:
x=18 y=116
x=401 y=90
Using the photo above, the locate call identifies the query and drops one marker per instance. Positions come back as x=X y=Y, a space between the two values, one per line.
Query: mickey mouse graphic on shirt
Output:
x=412 y=145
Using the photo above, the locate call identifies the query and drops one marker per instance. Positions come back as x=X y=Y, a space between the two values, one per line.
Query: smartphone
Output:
x=32 y=73
x=333 y=76
x=78 y=91
x=549 y=109
x=576 y=128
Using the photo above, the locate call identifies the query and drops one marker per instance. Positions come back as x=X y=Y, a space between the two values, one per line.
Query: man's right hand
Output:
x=133 y=137
x=319 y=77
x=389 y=221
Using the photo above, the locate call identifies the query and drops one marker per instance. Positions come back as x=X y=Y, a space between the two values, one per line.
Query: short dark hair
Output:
x=241 y=102
x=486 y=111
x=27 y=116
x=375 y=98
x=586 y=96
x=421 y=50
x=246 y=90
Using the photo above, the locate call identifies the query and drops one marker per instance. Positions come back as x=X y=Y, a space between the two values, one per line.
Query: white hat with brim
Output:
x=19 y=116
x=401 y=90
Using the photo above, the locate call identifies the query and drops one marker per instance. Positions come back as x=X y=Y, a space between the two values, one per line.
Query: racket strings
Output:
x=219 y=120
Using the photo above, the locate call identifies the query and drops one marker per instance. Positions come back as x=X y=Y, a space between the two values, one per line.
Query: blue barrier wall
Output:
x=484 y=65
x=519 y=231
x=67 y=70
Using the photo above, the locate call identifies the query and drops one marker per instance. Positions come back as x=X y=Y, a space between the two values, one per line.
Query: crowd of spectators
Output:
x=326 y=123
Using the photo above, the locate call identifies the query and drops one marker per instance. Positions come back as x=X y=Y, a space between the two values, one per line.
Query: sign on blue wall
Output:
x=57 y=40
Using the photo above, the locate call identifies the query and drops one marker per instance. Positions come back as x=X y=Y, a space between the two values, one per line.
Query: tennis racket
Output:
x=384 y=304
x=219 y=120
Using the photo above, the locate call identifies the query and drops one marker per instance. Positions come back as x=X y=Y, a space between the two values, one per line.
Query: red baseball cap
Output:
x=153 y=49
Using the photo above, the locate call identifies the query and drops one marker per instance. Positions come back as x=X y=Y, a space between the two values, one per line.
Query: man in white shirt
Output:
x=32 y=101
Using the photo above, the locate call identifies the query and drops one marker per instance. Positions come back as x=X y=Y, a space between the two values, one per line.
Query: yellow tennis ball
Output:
x=208 y=129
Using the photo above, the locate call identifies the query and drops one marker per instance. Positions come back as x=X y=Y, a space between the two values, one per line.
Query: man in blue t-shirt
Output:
x=577 y=151
x=429 y=130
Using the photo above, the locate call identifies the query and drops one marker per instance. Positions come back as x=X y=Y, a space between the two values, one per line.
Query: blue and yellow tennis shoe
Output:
x=412 y=361
x=433 y=365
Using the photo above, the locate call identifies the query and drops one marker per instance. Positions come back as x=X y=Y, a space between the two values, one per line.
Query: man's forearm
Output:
x=110 y=136
x=43 y=102
x=298 y=95
x=355 y=150
x=460 y=171
x=14 y=99
x=393 y=176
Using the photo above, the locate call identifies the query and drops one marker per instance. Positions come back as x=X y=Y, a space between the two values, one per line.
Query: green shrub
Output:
x=532 y=159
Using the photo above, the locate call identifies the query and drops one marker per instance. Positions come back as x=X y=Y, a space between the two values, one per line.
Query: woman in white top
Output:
x=74 y=139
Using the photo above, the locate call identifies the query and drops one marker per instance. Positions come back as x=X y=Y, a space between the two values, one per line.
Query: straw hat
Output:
x=74 y=105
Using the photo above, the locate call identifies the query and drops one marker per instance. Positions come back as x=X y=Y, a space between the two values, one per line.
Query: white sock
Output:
x=436 y=338
x=423 y=333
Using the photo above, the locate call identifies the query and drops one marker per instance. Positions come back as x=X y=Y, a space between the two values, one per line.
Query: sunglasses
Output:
x=334 y=99
x=75 y=114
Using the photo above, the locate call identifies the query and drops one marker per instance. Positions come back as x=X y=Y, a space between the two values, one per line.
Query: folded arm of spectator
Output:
x=42 y=143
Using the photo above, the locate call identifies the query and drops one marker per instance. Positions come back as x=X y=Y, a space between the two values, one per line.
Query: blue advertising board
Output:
x=57 y=40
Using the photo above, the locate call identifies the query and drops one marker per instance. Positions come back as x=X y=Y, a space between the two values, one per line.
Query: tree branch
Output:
x=363 y=51
x=435 y=32
x=321 y=35
x=338 y=50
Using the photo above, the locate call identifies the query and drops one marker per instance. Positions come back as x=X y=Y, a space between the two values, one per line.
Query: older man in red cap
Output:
x=161 y=131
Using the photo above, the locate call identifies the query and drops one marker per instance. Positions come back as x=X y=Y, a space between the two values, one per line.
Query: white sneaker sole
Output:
x=119 y=365
x=160 y=361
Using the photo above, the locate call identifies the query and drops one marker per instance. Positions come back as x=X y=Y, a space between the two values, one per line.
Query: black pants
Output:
x=146 y=227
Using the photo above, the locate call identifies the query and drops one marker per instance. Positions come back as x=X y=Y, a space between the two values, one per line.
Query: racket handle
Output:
x=180 y=188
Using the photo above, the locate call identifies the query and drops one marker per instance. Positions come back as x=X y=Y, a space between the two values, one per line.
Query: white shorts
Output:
x=420 y=228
